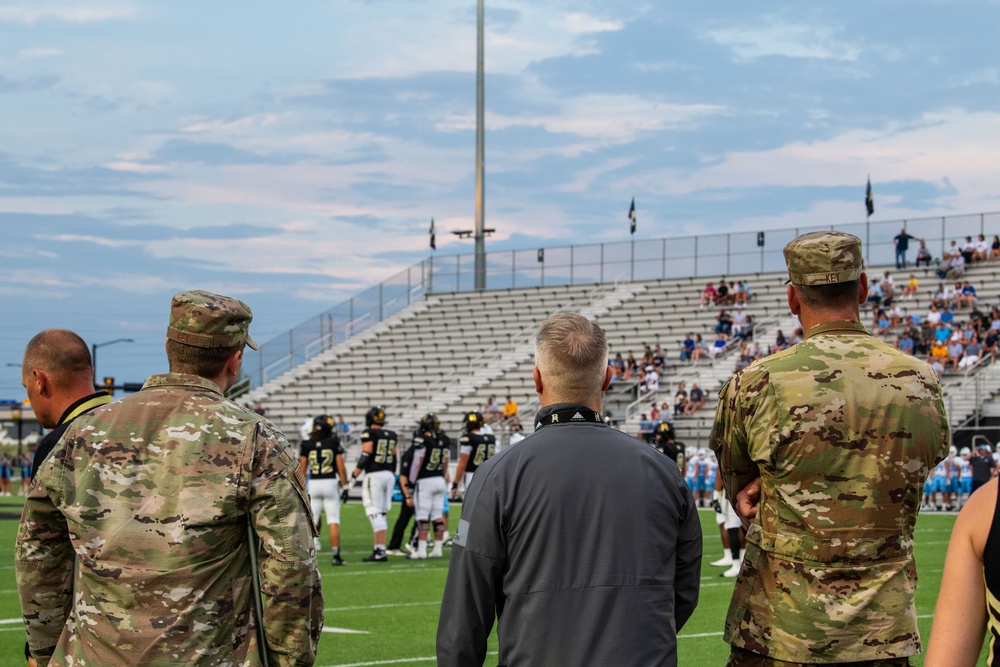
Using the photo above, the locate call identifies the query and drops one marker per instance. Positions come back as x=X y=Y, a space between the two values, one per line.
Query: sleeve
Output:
x=687 y=574
x=289 y=577
x=465 y=445
x=473 y=590
x=737 y=412
x=43 y=562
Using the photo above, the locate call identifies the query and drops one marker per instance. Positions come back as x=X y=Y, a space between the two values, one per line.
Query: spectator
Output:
x=696 y=400
x=904 y=342
x=990 y=343
x=957 y=268
x=888 y=288
x=923 y=255
x=618 y=363
x=994 y=249
x=645 y=428
x=700 y=348
x=912 y=285
x=971 y=354
x=680 y=400
x=723 y=297
x=965 y=296
x=708 y=295
x=780 y=343
x=631 y=367
x=902 y=243
x=743 y=293
x=982 y=250
x=895 y=316
x=654 y=413
x=647 y=355
x=659 y=363
x=875 y=293
x=719 y=346
x=687 y=347
x=491 y=410
x=968 y=251
x=652 y=379
x=343 y=428
x=741 y=323
x=947 y=317
x=724 y=323
x=955 y=352
x=933 y=316
x=509 y=409
x=942 y=296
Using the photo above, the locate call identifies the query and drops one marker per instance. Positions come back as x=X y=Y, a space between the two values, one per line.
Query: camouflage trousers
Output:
x=742 y=658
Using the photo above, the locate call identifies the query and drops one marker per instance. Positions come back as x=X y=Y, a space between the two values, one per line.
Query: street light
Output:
x=93 y=352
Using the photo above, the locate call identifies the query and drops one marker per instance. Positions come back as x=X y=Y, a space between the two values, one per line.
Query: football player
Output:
x=474 y=447
x=663 y=440
x=426 y=463
x=322 y=455
x=378 y=461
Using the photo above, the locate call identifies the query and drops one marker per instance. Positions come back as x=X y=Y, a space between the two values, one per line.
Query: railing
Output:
x=728 y=254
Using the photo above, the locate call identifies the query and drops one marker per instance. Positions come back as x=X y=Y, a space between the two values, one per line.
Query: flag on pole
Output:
x=869 y=202
x=631 y=215
x=433 y=240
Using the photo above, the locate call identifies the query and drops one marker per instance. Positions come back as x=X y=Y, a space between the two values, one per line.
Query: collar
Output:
x=838 y=327
x=85 y=404
x=567 y=413
x=180 y=380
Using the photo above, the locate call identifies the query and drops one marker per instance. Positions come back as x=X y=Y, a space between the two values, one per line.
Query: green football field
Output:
x=386 y=613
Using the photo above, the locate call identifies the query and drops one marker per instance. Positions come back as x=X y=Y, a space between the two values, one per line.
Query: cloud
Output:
x=789 y=40
x=60 y=11
x=583 y=24
x=38 y=52
x=27 y=85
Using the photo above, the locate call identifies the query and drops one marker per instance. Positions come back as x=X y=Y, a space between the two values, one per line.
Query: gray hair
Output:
x=571 y=352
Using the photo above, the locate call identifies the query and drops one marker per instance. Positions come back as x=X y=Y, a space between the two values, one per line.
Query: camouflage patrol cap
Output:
x=203 y=319
x=823 y=258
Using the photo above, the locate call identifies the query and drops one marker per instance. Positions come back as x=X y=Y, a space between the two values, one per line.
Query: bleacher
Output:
x=450 y=352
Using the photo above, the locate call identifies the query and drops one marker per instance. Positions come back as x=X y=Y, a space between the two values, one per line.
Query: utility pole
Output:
x=480 y=130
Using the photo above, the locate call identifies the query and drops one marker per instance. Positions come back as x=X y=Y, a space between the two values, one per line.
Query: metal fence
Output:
x=708 y=255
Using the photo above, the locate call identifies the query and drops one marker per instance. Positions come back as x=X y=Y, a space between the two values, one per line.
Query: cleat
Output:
x=732 y=571
x=725 y=561
x=395 y=552
x=417 y=556
x=337 y=560
x=435 y=554
x=376 y=557
x=409 y=547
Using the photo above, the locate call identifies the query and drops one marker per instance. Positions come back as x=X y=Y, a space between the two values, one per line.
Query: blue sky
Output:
x=293 y=153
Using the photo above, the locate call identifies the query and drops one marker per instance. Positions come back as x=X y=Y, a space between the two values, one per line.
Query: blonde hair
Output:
x=571 y=353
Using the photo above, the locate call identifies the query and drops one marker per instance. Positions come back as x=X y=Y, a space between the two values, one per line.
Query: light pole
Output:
x=480 y=235
x=93 y=352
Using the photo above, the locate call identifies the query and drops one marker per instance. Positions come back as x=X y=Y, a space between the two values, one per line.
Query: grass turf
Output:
x=386 y=613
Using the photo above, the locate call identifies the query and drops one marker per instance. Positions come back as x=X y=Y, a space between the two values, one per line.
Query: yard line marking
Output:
x=382 y=606
x=700 y=634
x=398 y=661
x=8 y=621
x=345 y=631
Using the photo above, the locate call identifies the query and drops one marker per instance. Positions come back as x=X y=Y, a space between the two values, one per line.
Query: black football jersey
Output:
x=321 y=456
x=430 y=456
x=383 y=448
x=482 y=446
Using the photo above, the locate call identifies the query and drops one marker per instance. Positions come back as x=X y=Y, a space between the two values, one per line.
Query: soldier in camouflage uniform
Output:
x=828 y=444
x=152 y=497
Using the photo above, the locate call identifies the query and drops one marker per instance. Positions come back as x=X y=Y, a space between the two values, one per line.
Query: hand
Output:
x=345 y=494
x=409 y=501
x=747 y=501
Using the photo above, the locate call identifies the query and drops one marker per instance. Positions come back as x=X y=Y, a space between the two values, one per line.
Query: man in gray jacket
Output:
x=582 y=541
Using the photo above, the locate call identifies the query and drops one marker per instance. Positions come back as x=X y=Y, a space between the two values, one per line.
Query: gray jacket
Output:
x=584 y=542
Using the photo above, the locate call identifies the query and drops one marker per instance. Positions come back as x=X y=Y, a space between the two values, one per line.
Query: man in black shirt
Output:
x=322 y=456
x=58 y=375
x=983 y=466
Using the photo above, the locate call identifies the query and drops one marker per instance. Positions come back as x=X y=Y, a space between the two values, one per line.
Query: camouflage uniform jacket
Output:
x=842 y=429
x=151 y=496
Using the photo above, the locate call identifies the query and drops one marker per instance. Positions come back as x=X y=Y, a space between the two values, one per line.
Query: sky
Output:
x=292 y=154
